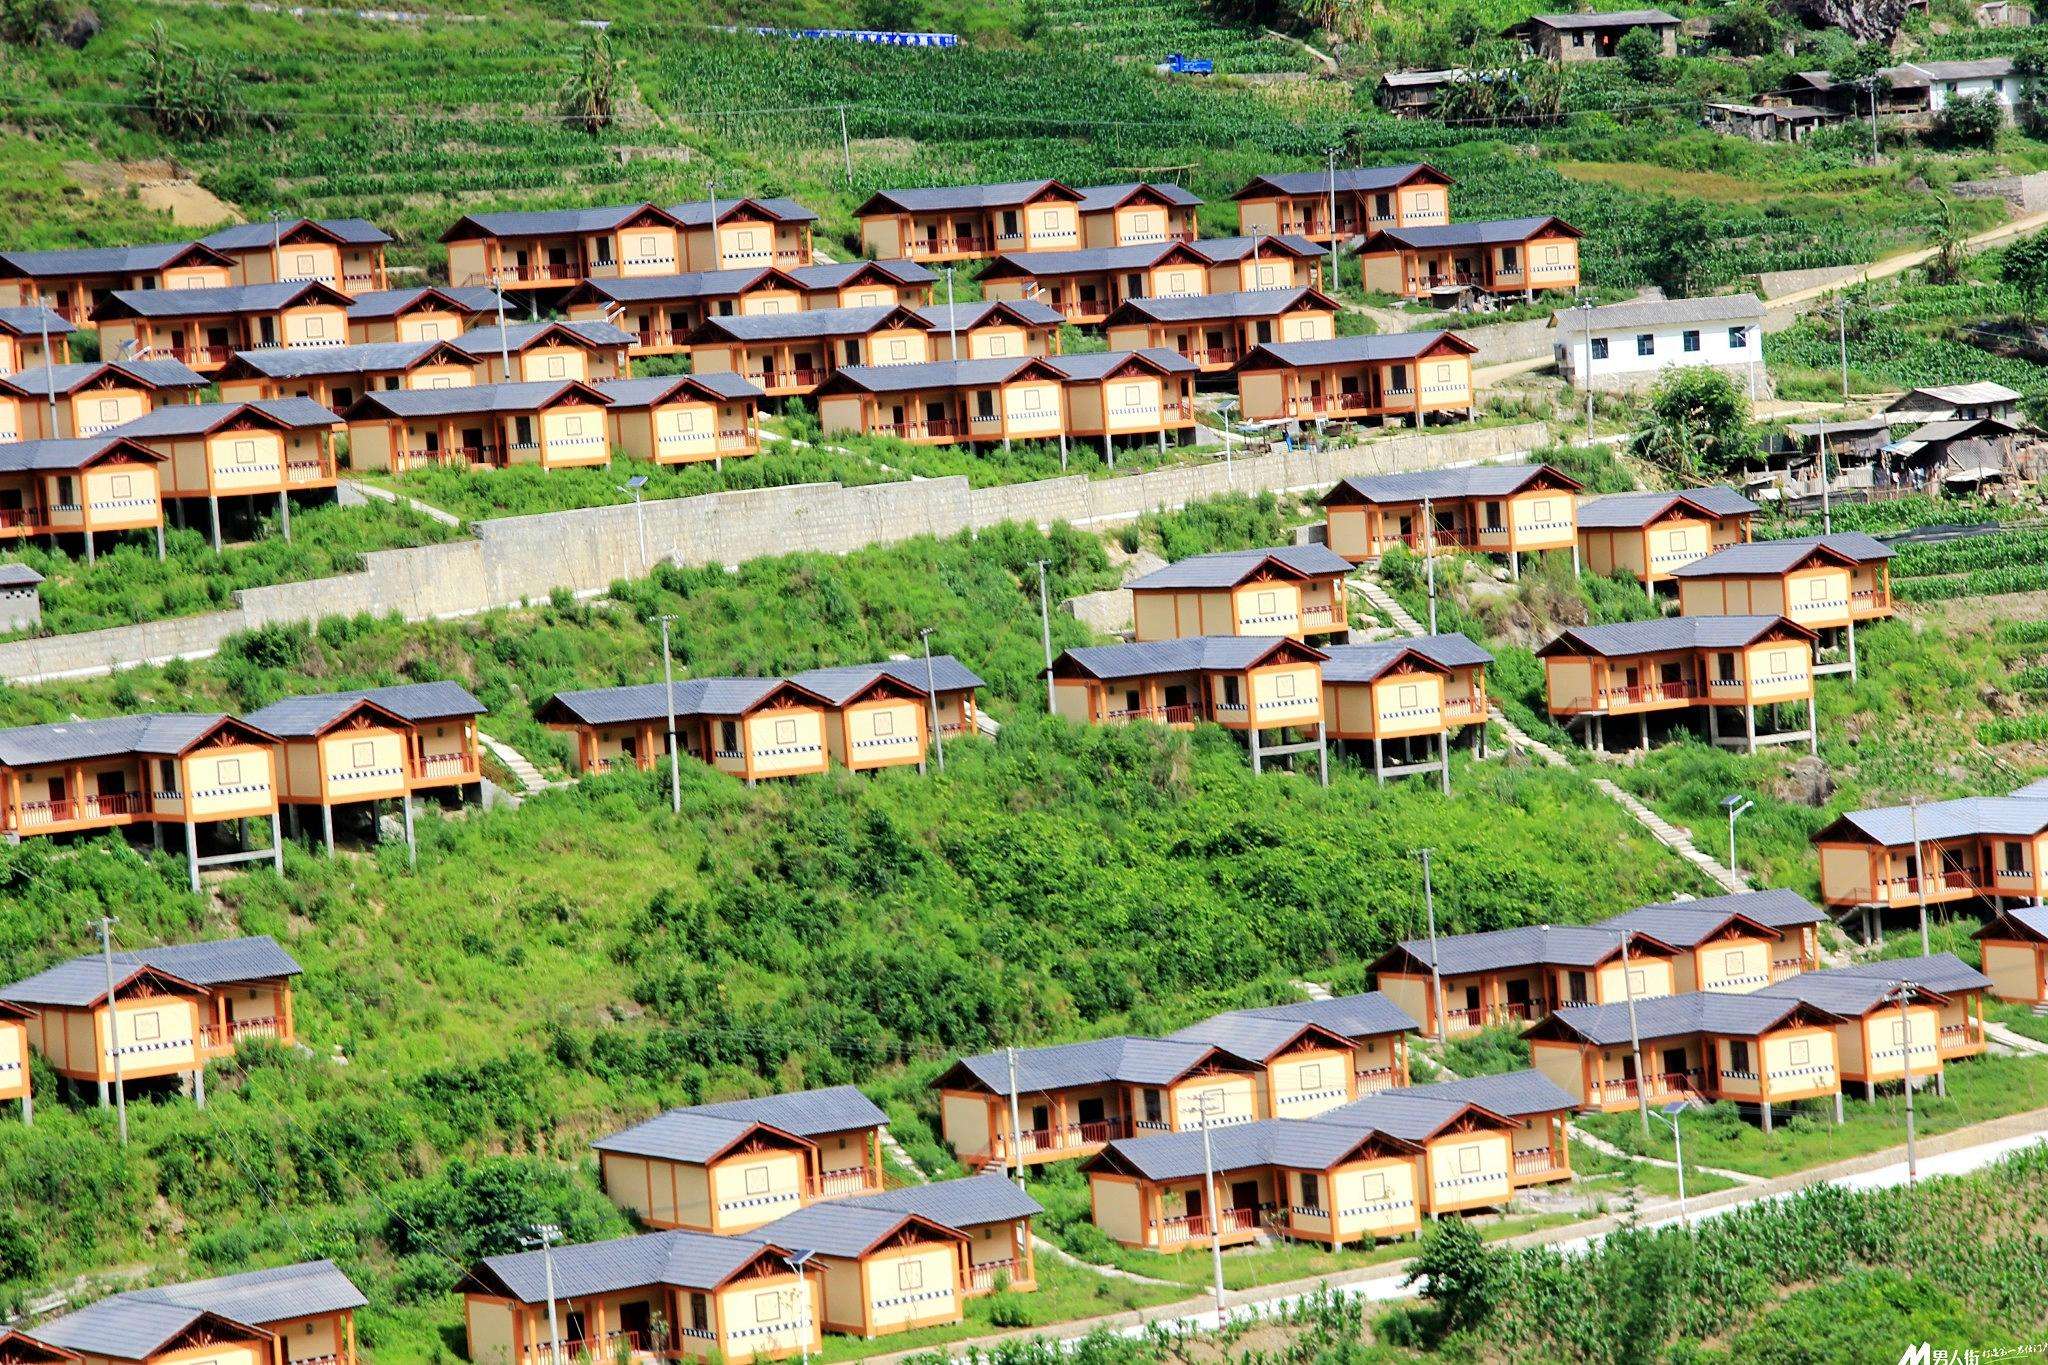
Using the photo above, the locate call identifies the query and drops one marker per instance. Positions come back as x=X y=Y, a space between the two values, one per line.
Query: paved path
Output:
x=2018 y=1042
x=1678 y=840
x=903 y=1158
x=1600 y=1144
x=1955 y=1153
x=515 y=763
x=1898 y=265
x=371 y=490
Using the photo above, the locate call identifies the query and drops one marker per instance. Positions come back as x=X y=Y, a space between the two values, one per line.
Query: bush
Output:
x=1969 y=121
x=1642 y=55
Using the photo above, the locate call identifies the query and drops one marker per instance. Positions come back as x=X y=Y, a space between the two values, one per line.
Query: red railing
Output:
x=1661 y=1083
x=782 y=379
x=1060 y=1137
x=604 y=1347
x=1189 y=1226
x=104 y=807
x=12 y=517
x=1534 y=1008
x=1170 y=715
x=1959 y=879
x=1332 y=402
x=541 y=271
x=1662 y=691
x=1446 y=538
x=937 y=427
x=659 y=336
x=1211 y=355
x=209 y=355
x=217 y=1035
x=440 y=765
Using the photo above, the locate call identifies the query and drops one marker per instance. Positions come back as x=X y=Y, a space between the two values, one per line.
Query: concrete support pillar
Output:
x=1323 y=754
x=159 y=542
x=156 y=835
x=1767 y=1116
x=1812 y=727
x=1941 y=1083
x=1852 y=649
x=103 y=1094
x=1063 y=450
x=276 y=849
x=90 y=554
x=1109 y=450
x=213 y=516
x=192 y=852
x=1869 y=1087
x=412 y=848
x=1838 y=1109
x=1575 y=557
x=1379 y=760
x=284 y=514
x=1599 y=734
x=1258 y=758
x=199 y=1086
x=1515 y=565
x=1643 y=729
x=1443 y=762
x=327 y=826
x=28 y=1111
x=1749 y=724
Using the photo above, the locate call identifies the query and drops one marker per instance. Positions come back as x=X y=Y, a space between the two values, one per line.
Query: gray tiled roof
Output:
x=1081 y=260
x=1361 y=1015
x=1358 y=179
x=1254 y=1037
x=1861 y=426
x=938 y=198
x=1103 y=198
x=385 y=303
x=961 y=1204
x=488 y=339
x=1975 y=69
x=1134 y=1061
x=83 y=980
x=692 y=284
x=929 y=374
x=1618 y=511
x=122 y=1328
x=1781 y=556
x=1364 y=663
x=1517 y=1094
x=1671 y=632
x=301 y=362
x=551 y=222
x=1090 y=365
x=650 y=701
x=33 y=321
x=1775 y=906
x=683 y=1260
x=1609 y=19
x=1247 y=303
x=1351 y=350
x=1956 y=429
x=831 y=274
x=476 y=398
x=151 y=733
x=697 y=212
x=66 y=378
x=838 y=683
x=1529 y=945
x=1894 y=826
x=637 y=393
x=679 y=1135
x=93 y=260
x=24 y=456
x=966 y=316
x=1983 y=391
x=1497 y=232
x=1194 y=654
x=2032 y=918
x=1858 y=989
x=1473 y=481
x=1677 y=925
x=265 y=1296
x=232 y=298
x=1653 y=312
x=1223 y=250
x=1300 y=1144
x=838 y=1227
x=18 y=576
x=303 y=717
x=1228 y=568
x=816 y=322
x=807 y=1113
x=1670 y=1016
x=252 y=236
x=1409 y=1113
x=193 y=419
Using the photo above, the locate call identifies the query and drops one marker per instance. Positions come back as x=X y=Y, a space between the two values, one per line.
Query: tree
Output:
x=1695 y=424
x=1969 y=121
x=1674 y=251
x=1950 y=243
x=590 y=101
x=1642 y=55
x=2024 y=266
x=1459 y=1274
x=1746 y=29
x=889 y=16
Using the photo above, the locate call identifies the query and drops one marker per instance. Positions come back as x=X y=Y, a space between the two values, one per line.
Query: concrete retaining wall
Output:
x=526 y=559
x=2027 y=193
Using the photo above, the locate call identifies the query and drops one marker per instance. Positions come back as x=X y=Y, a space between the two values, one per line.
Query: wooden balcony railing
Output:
x=1536 y=1160
x=194 y=355
x=227 y=1035
x=1959 y=1038
x=1681 y=690
x=1062 y=1137
x=112 y=805
x=1167 y=715
x=1187 y=1227
x=981 y=1277
x=1366 y=1081
x=1662 y=1083
x=837 y=1184
x=444 y=765
x=934 y=428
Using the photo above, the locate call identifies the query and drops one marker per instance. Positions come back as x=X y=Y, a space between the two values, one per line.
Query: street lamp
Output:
x=931 y=693
x=114 y=1026
x=1669 y=1113
x=675 y=757
x=1635 y=1034
x=633 y=486
x=1224 y=409
x=1209 y=1100
x=1586 y=317
x=796 y=1261
x=1436 y=980
x=1737 y=806
x=544 y=1236
x=1045 y=624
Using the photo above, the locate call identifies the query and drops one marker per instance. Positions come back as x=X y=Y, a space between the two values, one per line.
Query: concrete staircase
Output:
x=902 y=1158
x=1383 y=602
x=514 y=762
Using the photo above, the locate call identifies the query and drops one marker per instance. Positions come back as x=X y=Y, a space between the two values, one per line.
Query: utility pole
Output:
x=952 y=321
x=1919 y=872
x=545 y=1235
x=1436 y=980
x=675 y=757
x=717 y=252
x=845 y=144
x=504 y=343
x=1670 y=1115
x=1209 y=1203
x=1902 y=994
x=1842 y=338
x=1331 y=152
x=50 y=384
x=1827 y=505
x=1016 y=1123
x=1045 y=623
x=1635 y=1036
x=1875 y=155
x=1737 y=806
x=1429 y=557
x=114 y=1026
x=931 y=692
x=1586 y=316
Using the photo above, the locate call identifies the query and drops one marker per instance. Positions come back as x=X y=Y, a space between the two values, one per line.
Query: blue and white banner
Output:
x=866 y=35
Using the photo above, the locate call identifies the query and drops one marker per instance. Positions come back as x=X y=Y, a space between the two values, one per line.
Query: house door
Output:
x=1244 y=1194
x=11 y=509
x=1176 y=695
x=1631 y=678
x=1674 y=1061
x=931 y=237
x=1213 y=340
x=473 y=441
x=217 y=337
x=1472 y=1001
x=1194 y=1202
x=1089 y=1110
x=896 y=416
x=558 y=258
x=1518 y=995
x=58 y=791
x=1668 y=674
x=572 y=1328
x=111 y=784
x=1628 y=1067
x=935 y=418
x=1041 y=1118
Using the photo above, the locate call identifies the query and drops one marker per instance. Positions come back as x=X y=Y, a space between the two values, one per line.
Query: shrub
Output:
x=1969 y=121
x=1642 y=55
